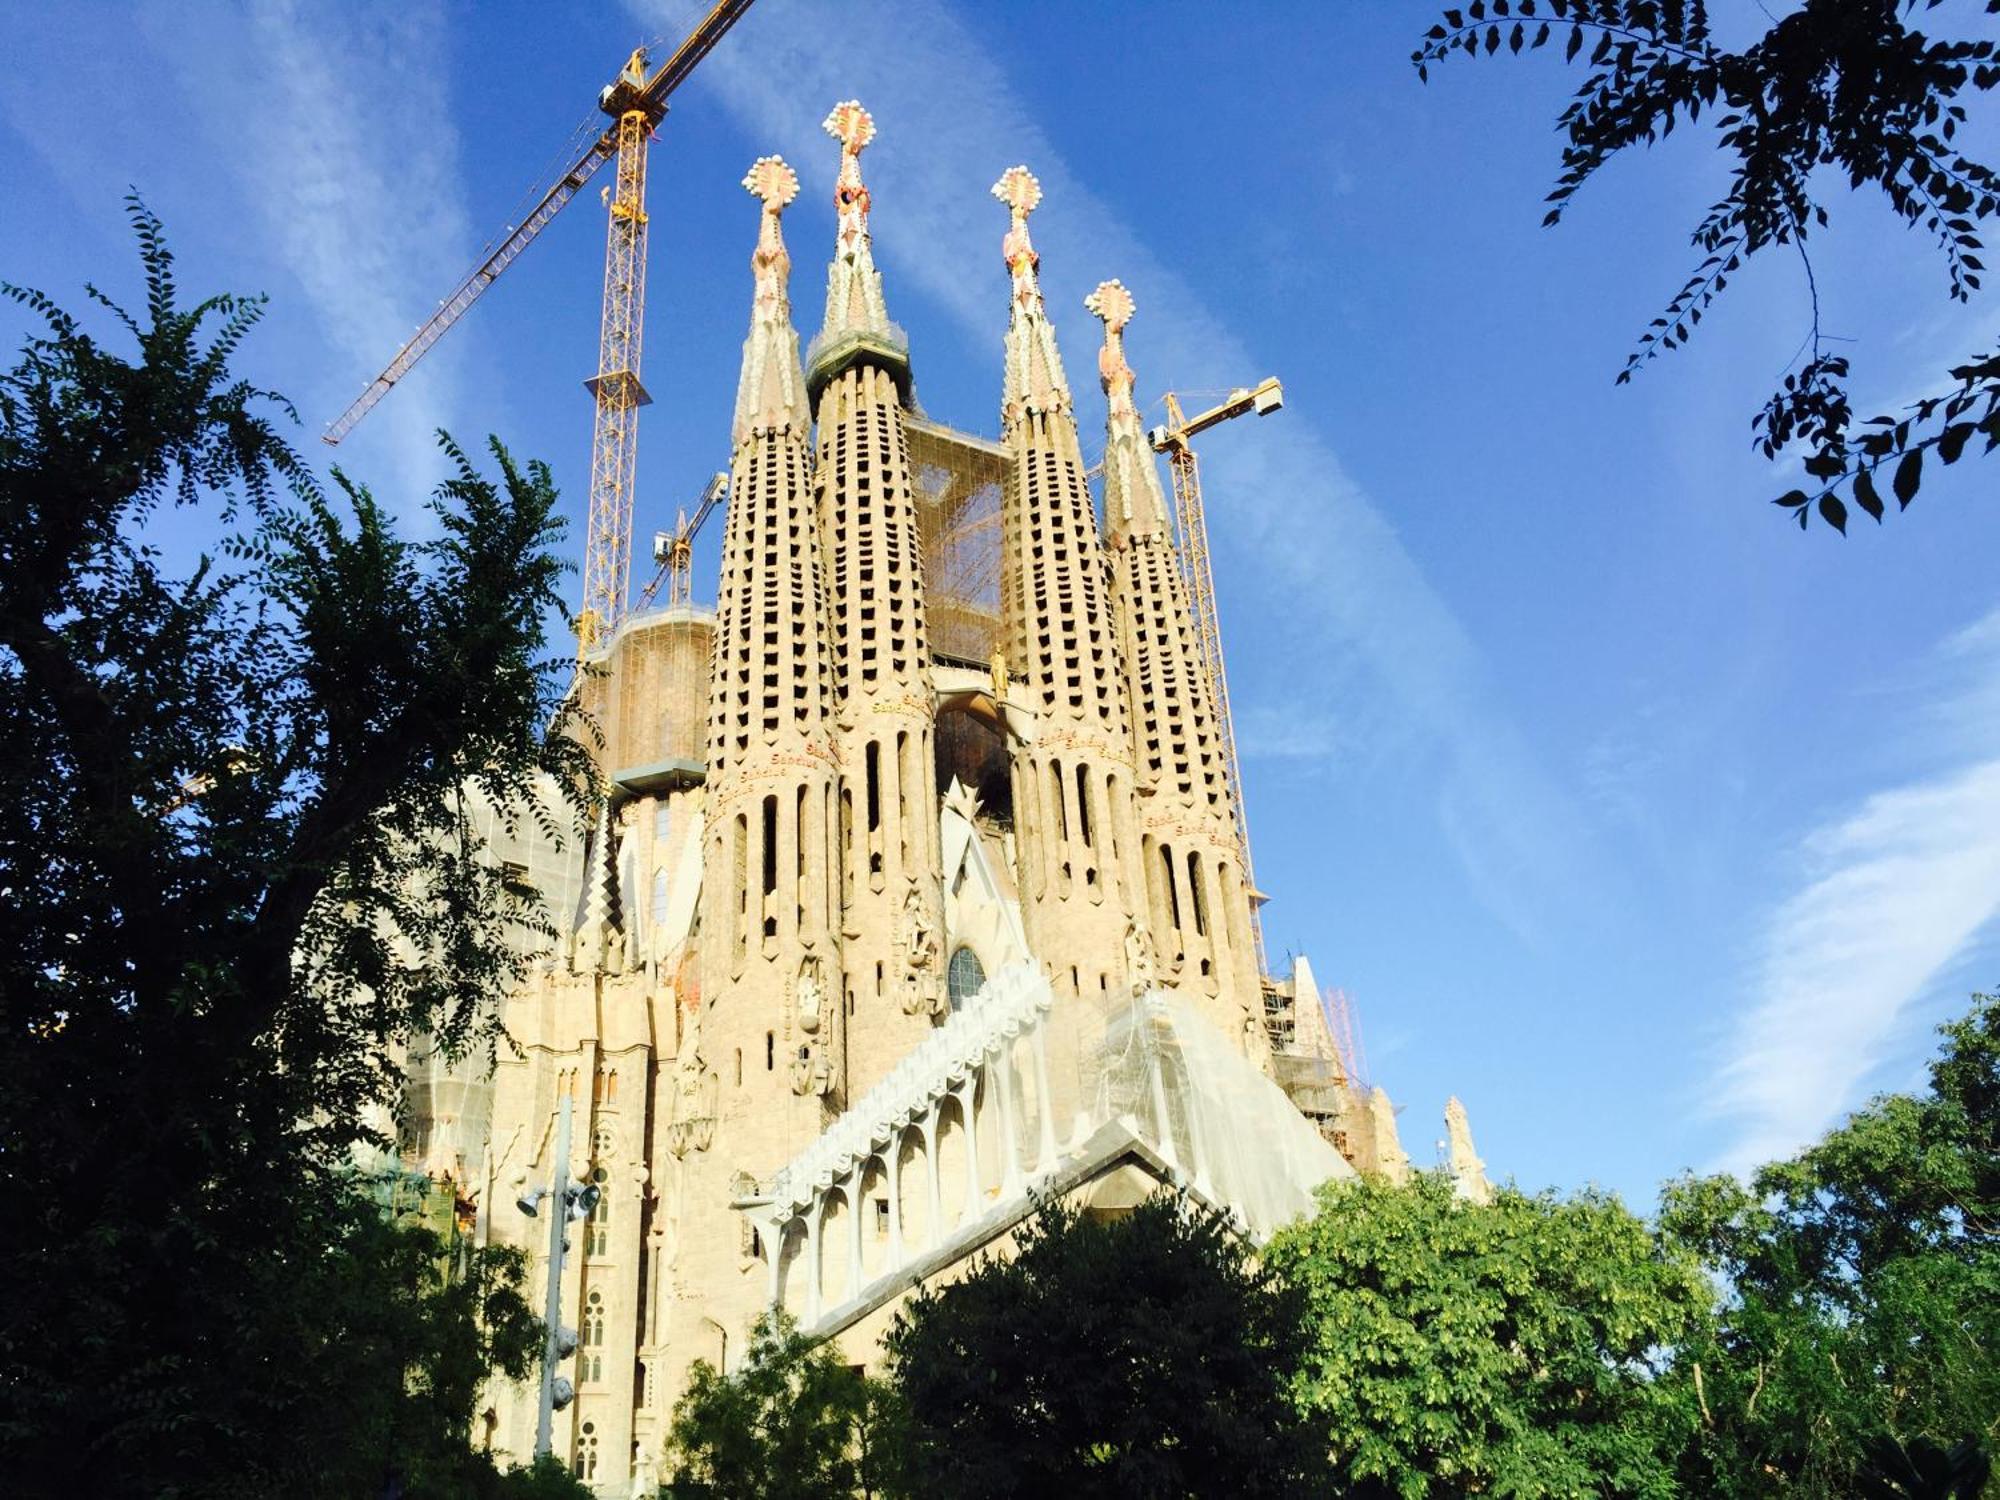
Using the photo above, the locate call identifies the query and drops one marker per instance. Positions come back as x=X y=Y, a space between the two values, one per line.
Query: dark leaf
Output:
x=1909 y=474
x=1865 y=496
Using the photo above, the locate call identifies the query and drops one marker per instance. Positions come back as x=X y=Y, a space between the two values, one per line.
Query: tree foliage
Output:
x=1512 y=1348
x=1847 y=85
x=235 y=869
x=793 y=1423
x=1138 y=1356
x=1864 y=1280
x=1829 y=1330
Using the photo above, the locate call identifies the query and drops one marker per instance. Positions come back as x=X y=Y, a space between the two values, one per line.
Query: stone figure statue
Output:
x=1141 y=972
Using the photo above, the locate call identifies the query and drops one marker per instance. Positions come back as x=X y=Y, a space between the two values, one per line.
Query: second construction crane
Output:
x=1175 y=439
x=636 y=101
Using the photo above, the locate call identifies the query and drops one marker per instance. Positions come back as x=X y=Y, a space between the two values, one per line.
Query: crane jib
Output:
x=651 y=99
x=478 y=280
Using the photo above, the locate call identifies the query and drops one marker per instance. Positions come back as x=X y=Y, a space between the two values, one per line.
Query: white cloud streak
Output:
x=1896 y=889
x=950 y=123
x=337 y=129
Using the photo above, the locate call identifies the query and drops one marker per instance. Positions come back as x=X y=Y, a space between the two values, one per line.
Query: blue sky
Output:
x=1660 y=833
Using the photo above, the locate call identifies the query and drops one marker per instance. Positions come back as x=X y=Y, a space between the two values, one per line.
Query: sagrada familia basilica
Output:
x=920 y=893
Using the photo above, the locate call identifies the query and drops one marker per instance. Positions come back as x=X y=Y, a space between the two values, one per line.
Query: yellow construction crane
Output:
x=673 y=551
x=1174 y=439
x=636 y=102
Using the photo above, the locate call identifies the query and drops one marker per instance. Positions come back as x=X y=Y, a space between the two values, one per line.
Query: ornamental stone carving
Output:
x=1140 y=966
x=917 y=939
x=809 y=994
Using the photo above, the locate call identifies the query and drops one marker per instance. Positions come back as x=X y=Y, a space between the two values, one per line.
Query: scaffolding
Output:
x=959 y=479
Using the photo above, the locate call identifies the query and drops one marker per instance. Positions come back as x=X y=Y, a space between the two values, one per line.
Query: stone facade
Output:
x=826 y=1018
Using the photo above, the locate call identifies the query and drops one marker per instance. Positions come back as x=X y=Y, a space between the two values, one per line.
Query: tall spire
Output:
x=770 y=393
x=883 y=733
x=854 y=305
x=1076 y=841
x=769 y=932
x=1134 y=504
x=1201 y=913
x=1034 y=380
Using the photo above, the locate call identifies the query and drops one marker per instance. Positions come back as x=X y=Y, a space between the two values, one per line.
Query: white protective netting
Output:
x=1207 y=1110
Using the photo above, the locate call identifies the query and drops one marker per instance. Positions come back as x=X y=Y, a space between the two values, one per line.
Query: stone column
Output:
x=854 y=1179
x=931 y=1160
x=1010 y=1158
x=968 y=1101
x=895 y=1155
x=1045 y=1151
x=813 y=1212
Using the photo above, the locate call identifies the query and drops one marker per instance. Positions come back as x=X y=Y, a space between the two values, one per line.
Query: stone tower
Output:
x=768 y=1015
x=1198 y=902
x=1073 y=783
x=858 y=376
x=782 y=1101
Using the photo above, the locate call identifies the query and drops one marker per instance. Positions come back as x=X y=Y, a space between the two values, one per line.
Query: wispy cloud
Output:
x=1894 y=891
x=338 y=134
x=1352 y=592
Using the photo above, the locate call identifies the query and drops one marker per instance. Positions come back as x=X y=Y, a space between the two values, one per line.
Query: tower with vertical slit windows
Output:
x=916 y=892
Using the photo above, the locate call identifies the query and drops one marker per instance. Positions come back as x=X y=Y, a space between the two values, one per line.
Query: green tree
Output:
x=1144 y=1355
x=1864 y=1286
x=235 y=869
x=793 y=1423
x=1851 y=86
x=1512 y=1348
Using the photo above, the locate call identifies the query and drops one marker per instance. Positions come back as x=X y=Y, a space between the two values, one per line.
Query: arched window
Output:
x=965 y=977
x=598 y=1236
x=593 y=1320
x=586 y=1451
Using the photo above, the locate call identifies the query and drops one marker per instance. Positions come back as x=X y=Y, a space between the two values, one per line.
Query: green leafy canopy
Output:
x=1511 y=1348
x=236 y=872
x=1850 y=86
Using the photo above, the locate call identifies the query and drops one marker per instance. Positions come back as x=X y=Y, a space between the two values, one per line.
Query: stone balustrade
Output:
x=1139 y=1075
x=985 y=1068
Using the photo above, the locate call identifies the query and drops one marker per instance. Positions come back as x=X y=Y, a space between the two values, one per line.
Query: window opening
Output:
x=1195 y=898
x=965 y=976
x=597 y=1236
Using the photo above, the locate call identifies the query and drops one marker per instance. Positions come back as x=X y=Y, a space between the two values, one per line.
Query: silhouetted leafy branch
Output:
x=1849 y=84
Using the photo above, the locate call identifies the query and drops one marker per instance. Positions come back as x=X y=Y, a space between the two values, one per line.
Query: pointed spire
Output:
x=595 y=927
x=853 y=286
x=1035 y=379
x=1468 y=1172
x=1389 y=1157
x=1134 y=504
x=770 y=393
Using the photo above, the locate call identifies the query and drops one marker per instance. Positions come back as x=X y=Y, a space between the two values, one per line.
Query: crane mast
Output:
x=616 y=388
x=673 y=551
x=1174 y=440
x=636 y=103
